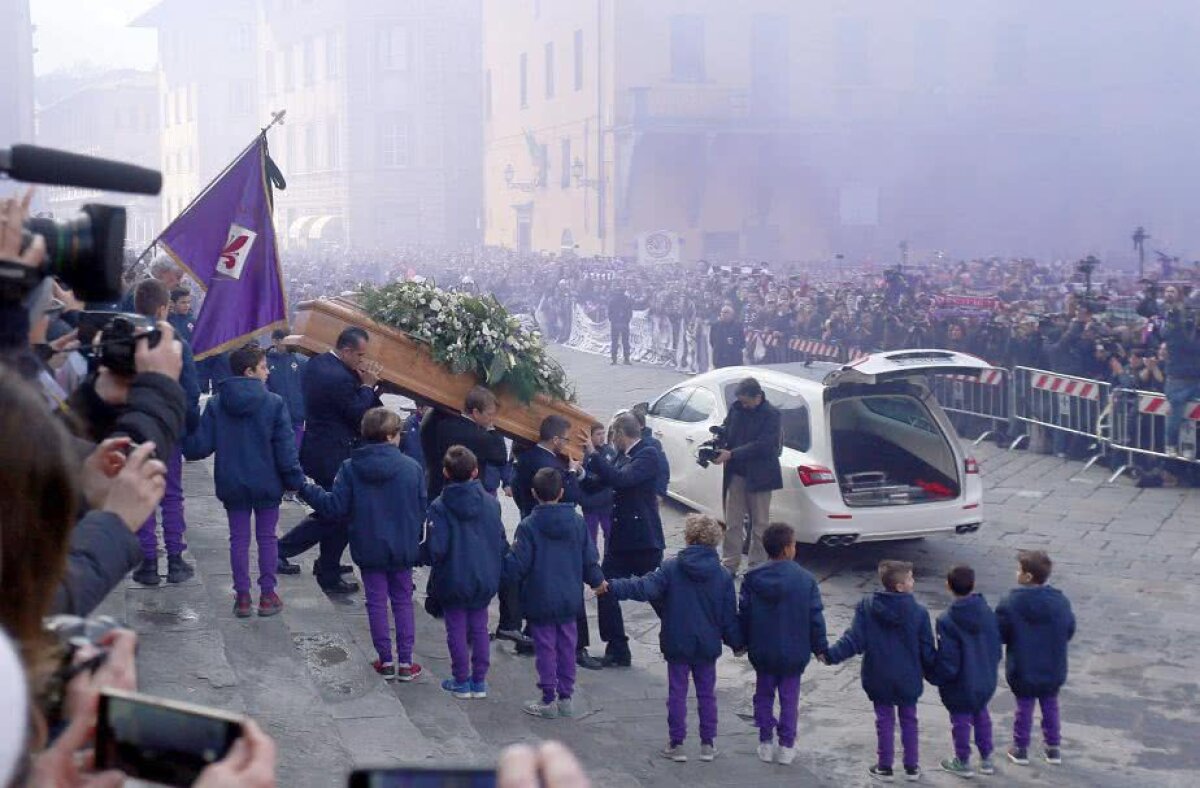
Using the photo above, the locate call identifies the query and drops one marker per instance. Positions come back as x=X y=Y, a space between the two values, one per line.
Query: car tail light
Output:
x=972 y=466
x=811 y=475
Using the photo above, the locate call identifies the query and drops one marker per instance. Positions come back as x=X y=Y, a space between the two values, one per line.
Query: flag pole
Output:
x=276 y=120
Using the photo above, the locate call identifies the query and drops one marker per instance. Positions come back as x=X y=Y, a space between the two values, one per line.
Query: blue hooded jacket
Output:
x=968 y=655
x=286 y=371
x=594 y=495
x=695 y=600
x=466 y=544
x=1036 y=623
x=781 y=618
x=528 y=463
x=552 y=557
x=249 y=430
x=892 y=632
x=382 y=493
x=411 y=445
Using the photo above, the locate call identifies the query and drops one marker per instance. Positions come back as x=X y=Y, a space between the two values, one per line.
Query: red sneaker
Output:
x=408 y=672
x=385 y=669
x=243 y=606
x=269 y=605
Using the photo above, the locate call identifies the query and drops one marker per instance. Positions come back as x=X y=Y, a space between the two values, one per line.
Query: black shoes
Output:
x=286 y=567
x=617 y=661
x=340 y=587
x=178 y=570
x=525 y=648
x=344 y=569
x=586 y=661
x=147 y=573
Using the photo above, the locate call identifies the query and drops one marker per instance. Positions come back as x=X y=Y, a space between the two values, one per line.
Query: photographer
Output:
x=1183 y=370
x=754 y=441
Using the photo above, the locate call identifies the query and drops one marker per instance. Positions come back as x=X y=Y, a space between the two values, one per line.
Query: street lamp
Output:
x=577 y=172
x=509 y=174
x=524 y=186
x=1140 y=236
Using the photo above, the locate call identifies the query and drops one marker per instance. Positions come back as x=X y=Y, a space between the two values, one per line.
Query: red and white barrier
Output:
x=1072 y=387
x=1157 y=405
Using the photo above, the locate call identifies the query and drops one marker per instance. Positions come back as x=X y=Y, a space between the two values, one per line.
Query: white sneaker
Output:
x=786 y=756
x=766 y=752
x=1172 y=452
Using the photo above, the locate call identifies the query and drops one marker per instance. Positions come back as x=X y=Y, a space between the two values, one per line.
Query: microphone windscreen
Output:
x=34 y=164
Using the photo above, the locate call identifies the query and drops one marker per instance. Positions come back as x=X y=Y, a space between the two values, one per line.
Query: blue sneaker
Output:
x=478 y=689
x=460 y=690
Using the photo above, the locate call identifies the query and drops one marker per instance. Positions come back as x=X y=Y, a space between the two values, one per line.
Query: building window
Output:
x=487 y=94
x=333 y=55
x=289 y=73
x=166 y=108
x=524 y=80
x=334 y=141
x=769 y=65
x=394 y=141
x=544 y=160
x=189 y=97
x=269 y=74
x=310 y=62
x=687 y=48
x=310 y=147
x=930 y=56
x=180 y=97
x=289 y=148
x=537 y=8
x=550 y=69
x=392 y=48
x=579 y=60
x=852 y=56
x=565 y=166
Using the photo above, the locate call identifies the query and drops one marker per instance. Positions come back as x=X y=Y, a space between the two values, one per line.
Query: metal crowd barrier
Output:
x=1061 y=403
x=1139 y=428
x=985 y=397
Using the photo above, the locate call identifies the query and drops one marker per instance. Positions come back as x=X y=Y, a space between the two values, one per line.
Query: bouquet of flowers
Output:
x=470 y=333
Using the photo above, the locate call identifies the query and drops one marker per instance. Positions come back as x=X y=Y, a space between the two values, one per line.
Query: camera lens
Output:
x=86 y=251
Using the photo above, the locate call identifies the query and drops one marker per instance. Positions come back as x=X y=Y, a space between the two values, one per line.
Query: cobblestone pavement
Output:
x=1129 y=559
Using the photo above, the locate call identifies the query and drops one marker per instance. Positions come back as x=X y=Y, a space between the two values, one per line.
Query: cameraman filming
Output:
x=754 y=441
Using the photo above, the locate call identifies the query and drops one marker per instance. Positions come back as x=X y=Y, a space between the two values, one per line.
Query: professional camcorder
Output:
x=119 y=333
x=86 y=251
x=708 y=451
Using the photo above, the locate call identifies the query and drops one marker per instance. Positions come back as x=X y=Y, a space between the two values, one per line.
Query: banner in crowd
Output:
x=226 y=241
x=645 y=341
x=967 y=302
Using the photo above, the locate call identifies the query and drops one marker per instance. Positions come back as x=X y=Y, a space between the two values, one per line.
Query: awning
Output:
x=317 y=229
x=299 y=228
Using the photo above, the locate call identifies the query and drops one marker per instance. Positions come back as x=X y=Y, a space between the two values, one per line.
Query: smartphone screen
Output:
x=160 y=741
x=423 y=778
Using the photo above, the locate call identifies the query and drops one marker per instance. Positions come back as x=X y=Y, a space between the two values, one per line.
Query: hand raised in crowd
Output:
x=551 y=765
x=67 y=297
x=250 y=762
x=118 y=671
x=165 y=358
x=67 y=763
x=101 y=467
x=13 y=213
x=64 y=345
x=137 y=489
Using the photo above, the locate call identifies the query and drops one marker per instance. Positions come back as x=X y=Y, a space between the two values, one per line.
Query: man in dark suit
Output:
x=474 y=429
x=728 y=339
x=637 y=536
x=337 y=392
x=620 y=313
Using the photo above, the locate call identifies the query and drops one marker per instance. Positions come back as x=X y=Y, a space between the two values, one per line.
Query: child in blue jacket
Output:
x=968 y=654
x=782 y=624
x=891 y=630
x=552 y=556
x=698 y=608
x=596 y=499
x=382 y=493
x=249 y=430
x=467 y=544
x=1036 y=624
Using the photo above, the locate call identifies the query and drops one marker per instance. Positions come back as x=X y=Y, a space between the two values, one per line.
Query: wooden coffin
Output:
x=407 y=365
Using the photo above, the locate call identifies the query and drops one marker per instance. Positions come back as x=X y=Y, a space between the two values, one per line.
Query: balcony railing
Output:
x=686 y=104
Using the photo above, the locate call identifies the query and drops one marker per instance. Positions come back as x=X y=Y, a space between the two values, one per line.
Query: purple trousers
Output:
x=788 y=688
x=468 y=626
x=299 y=430
x=960 y=729
x=172 y=515
x=705 y=677
x=1023 y=721
x=885 y=732
x=380 y=587
x=598 y=522
x=265 y=521
x=554 y=655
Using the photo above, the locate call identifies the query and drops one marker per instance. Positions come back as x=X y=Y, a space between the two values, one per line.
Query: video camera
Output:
x=708 y=451
x=119 y=334
x=71 y=634
x=86 y=251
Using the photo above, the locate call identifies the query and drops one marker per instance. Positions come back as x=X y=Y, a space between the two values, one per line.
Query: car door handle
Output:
x=690 y=439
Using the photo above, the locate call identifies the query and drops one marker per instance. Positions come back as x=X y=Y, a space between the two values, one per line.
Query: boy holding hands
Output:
x=891 y=630
x=552 y=557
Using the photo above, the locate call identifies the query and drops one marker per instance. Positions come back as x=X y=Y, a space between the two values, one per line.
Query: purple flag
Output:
x=226 y=242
